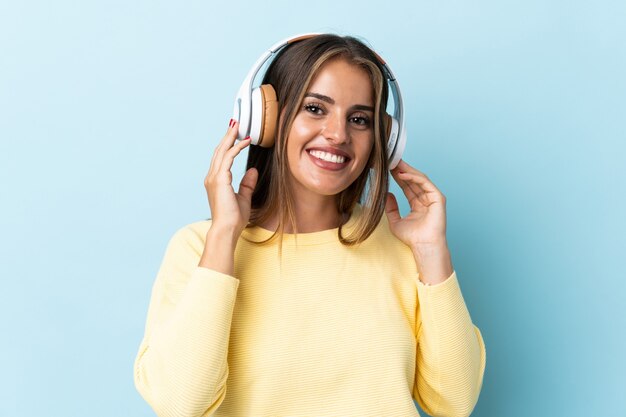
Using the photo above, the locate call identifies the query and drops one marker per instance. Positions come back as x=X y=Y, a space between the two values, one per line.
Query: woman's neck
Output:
x=311 y=217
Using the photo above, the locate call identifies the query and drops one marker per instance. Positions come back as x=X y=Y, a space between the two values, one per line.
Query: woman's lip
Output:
x=331 y=166
x=329 y=150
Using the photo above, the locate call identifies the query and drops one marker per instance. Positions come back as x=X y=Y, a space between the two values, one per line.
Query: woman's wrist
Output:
x=219 y=250
x=434 y=262
x=227 y=234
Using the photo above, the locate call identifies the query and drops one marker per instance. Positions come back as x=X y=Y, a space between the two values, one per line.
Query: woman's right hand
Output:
x=230 y=211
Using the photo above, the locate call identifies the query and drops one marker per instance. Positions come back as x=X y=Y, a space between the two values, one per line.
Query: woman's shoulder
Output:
x=191 y=234
x=200 y=227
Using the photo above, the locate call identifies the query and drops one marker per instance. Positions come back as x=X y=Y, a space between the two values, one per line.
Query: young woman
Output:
x=307 y=293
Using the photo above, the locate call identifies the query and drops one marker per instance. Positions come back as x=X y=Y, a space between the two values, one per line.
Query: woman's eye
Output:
x=313 y=108
x=360 y=120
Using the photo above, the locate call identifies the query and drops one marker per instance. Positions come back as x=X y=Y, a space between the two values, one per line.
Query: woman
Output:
x=300 y=297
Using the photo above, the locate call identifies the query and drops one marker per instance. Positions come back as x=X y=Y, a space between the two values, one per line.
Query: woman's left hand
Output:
x=425 y=225
x=424 y=228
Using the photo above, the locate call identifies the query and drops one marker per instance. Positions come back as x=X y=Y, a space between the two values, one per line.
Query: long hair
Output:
x=290 y=73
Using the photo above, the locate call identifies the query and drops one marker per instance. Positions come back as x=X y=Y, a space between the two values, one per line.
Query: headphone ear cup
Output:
x=264 y=116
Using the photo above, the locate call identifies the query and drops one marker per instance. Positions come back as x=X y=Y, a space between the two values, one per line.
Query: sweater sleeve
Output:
x=450 y=352
x=181 y=366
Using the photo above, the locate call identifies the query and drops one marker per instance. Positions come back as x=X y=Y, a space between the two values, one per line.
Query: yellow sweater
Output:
x=333 y=331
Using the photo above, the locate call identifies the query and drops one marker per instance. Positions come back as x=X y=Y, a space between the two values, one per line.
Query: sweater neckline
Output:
x=258 y=233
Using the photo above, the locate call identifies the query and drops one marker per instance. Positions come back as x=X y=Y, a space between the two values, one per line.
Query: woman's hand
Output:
x=230 y=211
x=426 y=223
x=424 y=228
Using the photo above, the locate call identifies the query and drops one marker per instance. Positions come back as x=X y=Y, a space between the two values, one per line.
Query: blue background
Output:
x=110 y=111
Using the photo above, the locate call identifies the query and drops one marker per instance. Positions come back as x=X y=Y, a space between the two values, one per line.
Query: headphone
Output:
x=256 y=109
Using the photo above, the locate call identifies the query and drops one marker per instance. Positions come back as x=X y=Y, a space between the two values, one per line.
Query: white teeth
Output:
x=325 y=156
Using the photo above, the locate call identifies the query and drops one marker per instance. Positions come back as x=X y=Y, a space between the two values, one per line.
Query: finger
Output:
x=229 y=138
x=248 y=182
x=405 y=167
x=226 y=143
x=418 y=178
x=415 y=185
x=415 y=192
x=229 y=156
x=426 y=192
x=391 y=208
x=404 y=185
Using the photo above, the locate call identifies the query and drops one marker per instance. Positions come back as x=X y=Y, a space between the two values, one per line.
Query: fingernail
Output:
x=231 y=123
x=246 y=138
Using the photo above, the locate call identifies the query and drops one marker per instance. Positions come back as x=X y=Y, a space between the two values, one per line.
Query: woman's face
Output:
x=332 y=134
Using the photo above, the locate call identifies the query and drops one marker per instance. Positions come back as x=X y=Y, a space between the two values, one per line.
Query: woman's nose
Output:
x=335 y=129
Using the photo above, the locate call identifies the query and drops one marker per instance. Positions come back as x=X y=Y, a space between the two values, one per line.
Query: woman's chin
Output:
x=326 y=191
x=324 y=187
x=321 y=181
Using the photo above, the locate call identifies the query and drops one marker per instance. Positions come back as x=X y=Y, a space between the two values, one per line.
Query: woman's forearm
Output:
x=434 y=262
x=219 y=250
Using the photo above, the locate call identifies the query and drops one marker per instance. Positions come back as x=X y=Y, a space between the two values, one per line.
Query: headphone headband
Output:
x=243 y=101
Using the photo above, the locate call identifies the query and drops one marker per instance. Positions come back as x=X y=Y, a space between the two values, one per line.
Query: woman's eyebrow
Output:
x=321 y=97
x=331 y=101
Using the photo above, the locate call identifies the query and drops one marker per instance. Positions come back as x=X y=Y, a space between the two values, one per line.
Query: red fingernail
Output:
x=231 y=123
x=246 y=138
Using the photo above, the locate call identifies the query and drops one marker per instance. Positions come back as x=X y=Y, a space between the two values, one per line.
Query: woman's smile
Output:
x=327 y=158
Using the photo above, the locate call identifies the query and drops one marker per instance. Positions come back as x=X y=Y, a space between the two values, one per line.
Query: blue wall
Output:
x=109 y=113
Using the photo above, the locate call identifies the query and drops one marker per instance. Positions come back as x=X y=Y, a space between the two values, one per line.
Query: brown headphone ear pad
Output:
x=269 y=121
